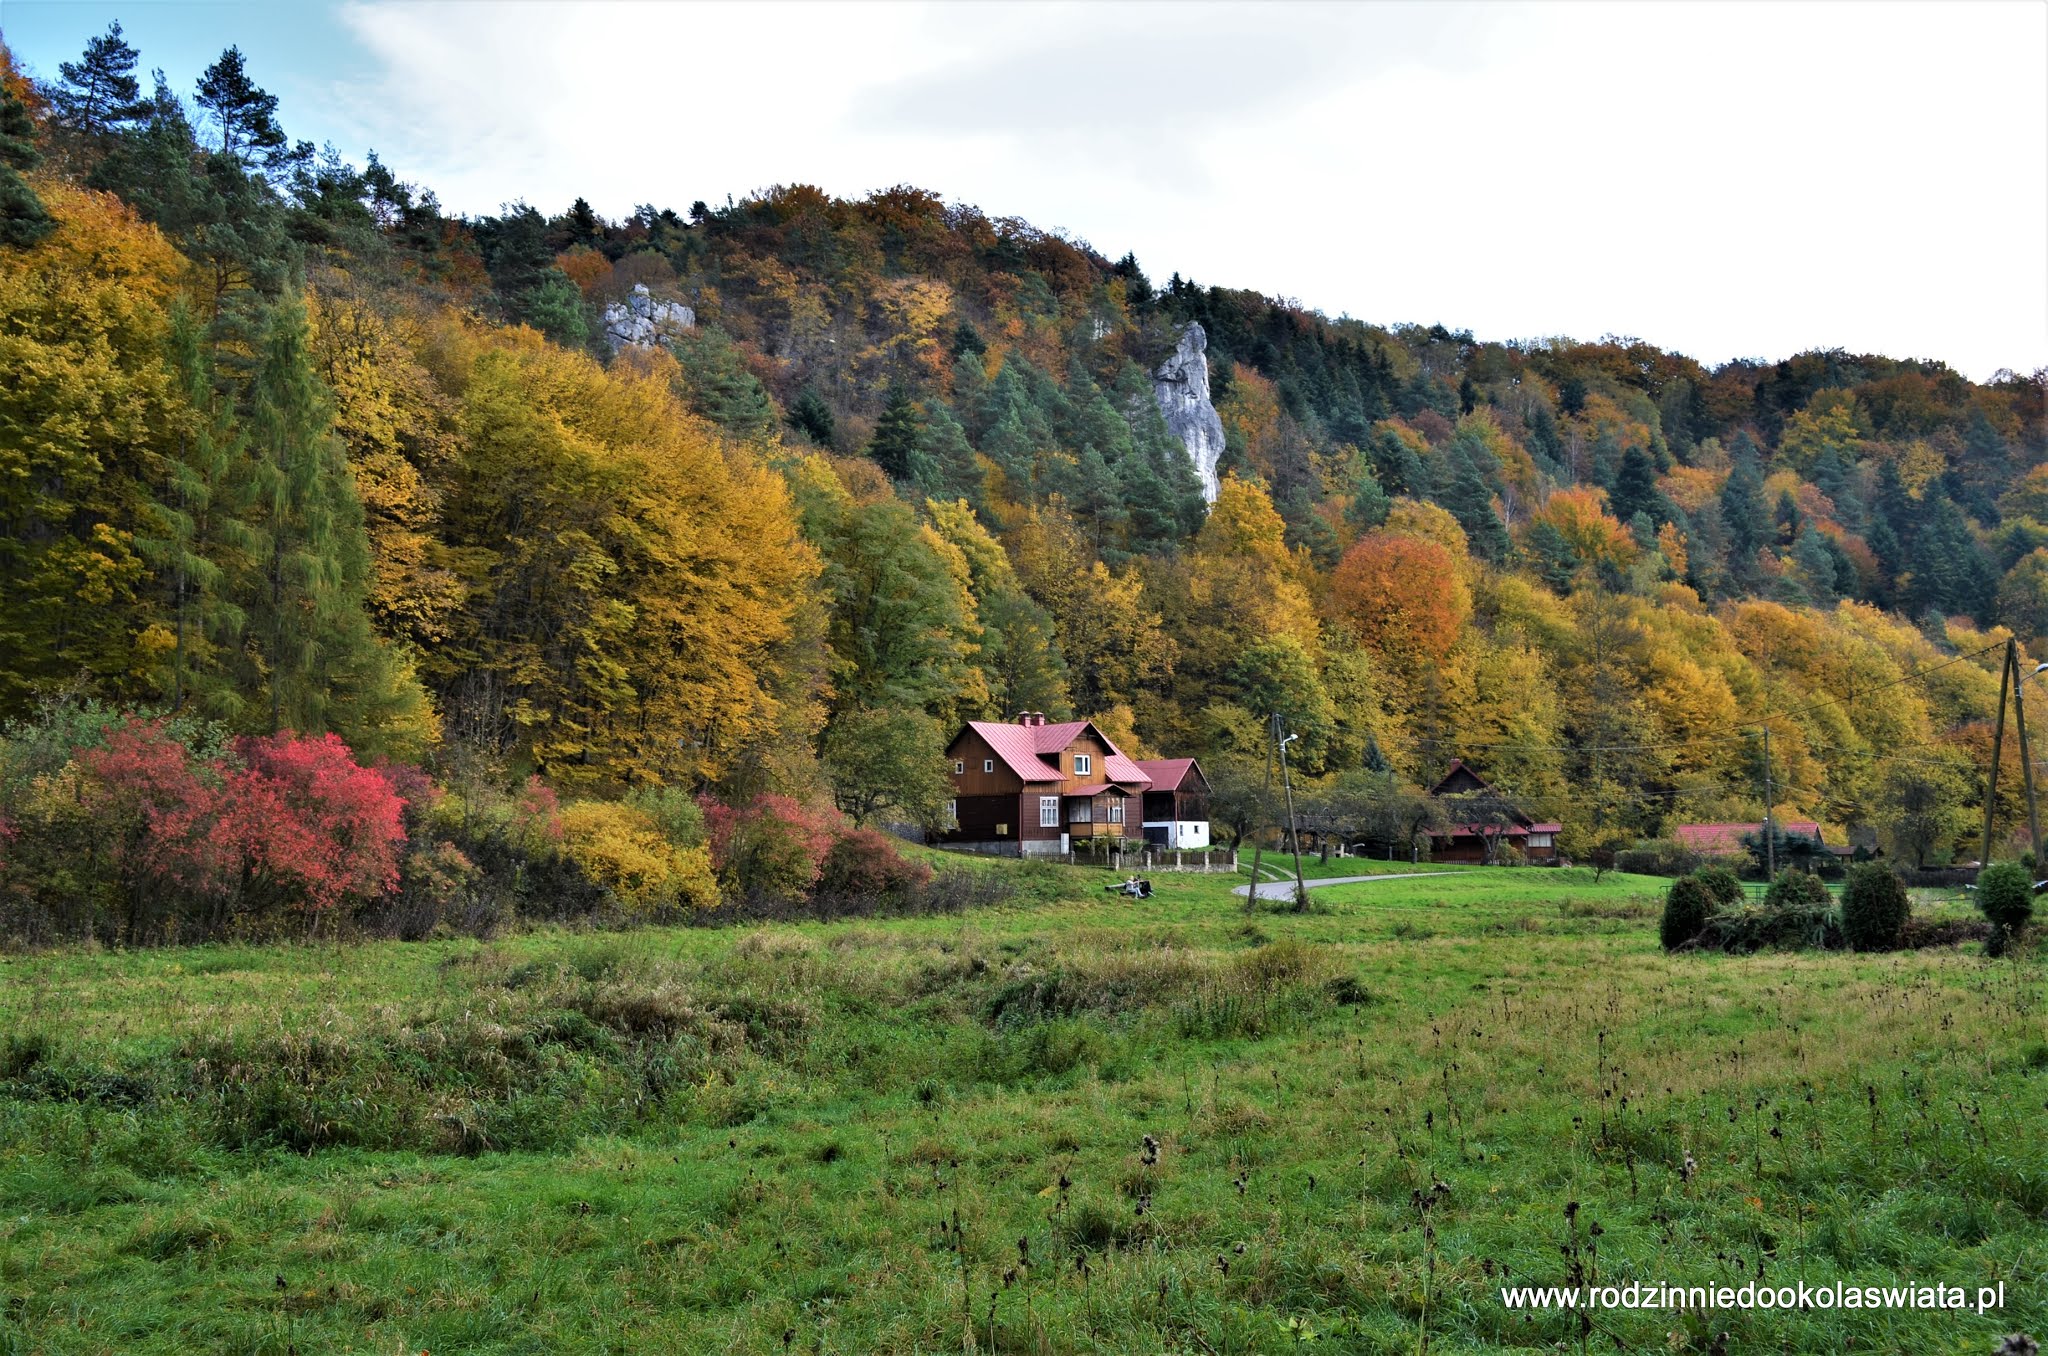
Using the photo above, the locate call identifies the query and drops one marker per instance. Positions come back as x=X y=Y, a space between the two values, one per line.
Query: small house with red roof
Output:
x=1481 y=822
x=1033 y=787
x=1718 y=842
x=1176 y=803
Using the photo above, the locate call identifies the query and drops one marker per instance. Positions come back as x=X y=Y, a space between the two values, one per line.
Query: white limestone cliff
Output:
x=640 y=321
x=1182 y=387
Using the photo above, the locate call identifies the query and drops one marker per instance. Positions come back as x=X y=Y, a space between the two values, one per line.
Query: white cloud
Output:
x=1729 y=180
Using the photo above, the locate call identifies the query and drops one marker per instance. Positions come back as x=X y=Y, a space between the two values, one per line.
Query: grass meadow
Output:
x=1074 y=1123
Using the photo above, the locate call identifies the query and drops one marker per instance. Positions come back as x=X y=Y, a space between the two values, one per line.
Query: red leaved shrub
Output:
x=865 y=864
x=304 y=821
x=772 y=847
x=280 y=821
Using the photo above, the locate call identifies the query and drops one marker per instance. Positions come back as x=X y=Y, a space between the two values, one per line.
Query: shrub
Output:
x=1796 y=889
x=281 y=821
x=302 y=821
x=1657 y=857
x=2005 y=895
x=1874 y=907
x=772 y=847
x=866 y=863
x=674 y=812
x=1687 y=906
x=625 y=851
x=1799 y=926
x=1724 y=885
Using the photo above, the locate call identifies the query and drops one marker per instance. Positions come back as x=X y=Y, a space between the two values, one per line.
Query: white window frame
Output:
x=1082 y=764
x=959 y=767
x=1048 y=812
x=953 y=811
x=1116 y=810
x=988 y=765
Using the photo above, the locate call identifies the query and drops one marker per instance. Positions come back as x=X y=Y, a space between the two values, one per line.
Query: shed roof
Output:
x=1725 y=840
x=1168 y=774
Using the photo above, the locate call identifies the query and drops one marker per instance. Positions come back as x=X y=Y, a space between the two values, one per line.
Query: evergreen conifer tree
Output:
x=245 y=113
x=23 y=219
x=99 y=93
x=1635 y=489
x=894 y=446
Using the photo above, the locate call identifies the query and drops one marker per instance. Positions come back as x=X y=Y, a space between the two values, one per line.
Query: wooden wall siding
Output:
x=979 y=816
x=1084 y=743
x=972 y=750
x=1098 y=824
x=1180 y=806
x=1028 y=807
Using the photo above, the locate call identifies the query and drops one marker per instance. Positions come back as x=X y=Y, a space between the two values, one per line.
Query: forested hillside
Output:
x=283 y=446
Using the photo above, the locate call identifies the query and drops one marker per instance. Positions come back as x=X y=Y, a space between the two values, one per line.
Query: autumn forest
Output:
x=288 y=452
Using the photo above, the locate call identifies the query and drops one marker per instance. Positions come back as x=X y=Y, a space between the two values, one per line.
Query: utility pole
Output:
x=1294 y=833
x=1770 y=832
x=2010 y=680
x=2005 y=676
x=1251 y=900
x=2019 y=720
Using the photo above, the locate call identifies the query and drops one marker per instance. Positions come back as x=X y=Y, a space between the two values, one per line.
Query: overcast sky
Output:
x=1725 y=179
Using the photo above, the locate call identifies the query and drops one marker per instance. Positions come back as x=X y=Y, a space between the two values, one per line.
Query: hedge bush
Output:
x=2005 y=895
x=1687 y=906
x=1724 y=885
x=1796 y=889
x=1874 y=907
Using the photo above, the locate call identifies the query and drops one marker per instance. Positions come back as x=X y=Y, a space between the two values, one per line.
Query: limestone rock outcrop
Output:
x=1181 y=386
x=641 y=322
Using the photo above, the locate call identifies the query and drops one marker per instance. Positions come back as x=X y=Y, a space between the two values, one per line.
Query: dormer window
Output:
x=1082 y=762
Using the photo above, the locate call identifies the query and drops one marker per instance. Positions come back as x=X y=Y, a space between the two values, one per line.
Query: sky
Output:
x=1724 y=179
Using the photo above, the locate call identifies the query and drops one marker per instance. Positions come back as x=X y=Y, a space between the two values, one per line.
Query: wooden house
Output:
x=1176 y=803
x=1032 y=787
x=1482 y=822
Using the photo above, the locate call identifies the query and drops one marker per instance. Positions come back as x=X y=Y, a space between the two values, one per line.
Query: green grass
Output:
x=928 y=1134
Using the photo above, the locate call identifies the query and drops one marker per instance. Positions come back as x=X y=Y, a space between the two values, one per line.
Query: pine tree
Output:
x=1949 y=572
x=812 y=417
x=244 y=111
x=946 y=457
x=584 y=227
x=1635 y=489
x=1470 y=501
x=894 y=446
x=1816 y=567
x=23 y=219
x=1747 y=520
x=99 y=94
x=720 y=387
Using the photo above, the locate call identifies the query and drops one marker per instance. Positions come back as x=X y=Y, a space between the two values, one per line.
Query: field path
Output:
x=1284 y=889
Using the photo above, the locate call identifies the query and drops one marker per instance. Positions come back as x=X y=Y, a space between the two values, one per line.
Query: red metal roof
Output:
x=1015 y=745
x=1725 y=840
x=1167 y=774
x=1022 y=748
